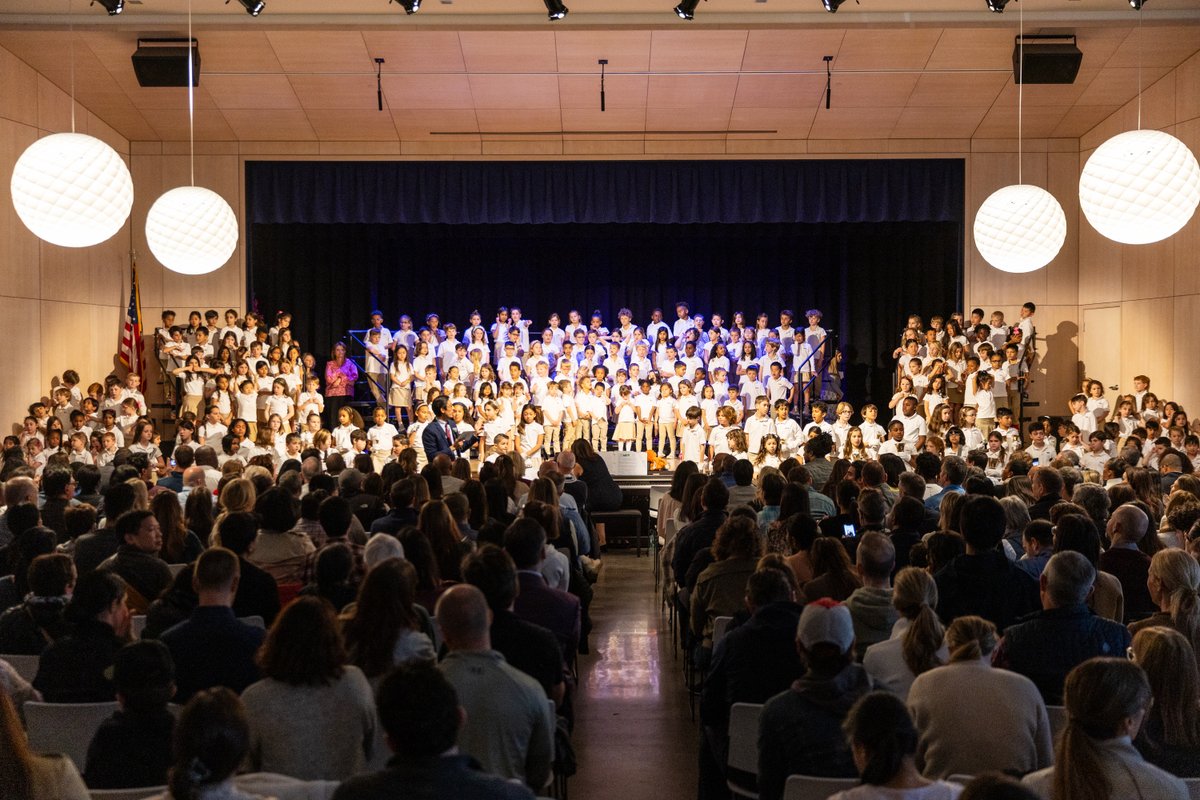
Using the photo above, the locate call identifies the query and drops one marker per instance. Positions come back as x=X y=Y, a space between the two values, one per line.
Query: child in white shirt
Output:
x=664 y=415
x=873 y=433
x=379 y=438
x=691 y=438
x=1040 y=451
x=897 y=445
x=758 y=425
x=787 y=430
x=1080 y=416
x=346 y=426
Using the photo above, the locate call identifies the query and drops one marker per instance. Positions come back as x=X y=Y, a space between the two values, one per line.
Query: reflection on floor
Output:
x=634 y=736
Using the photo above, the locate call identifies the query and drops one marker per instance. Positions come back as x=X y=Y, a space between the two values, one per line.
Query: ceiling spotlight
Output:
x=409 y=6
x=556 y=10
x=253 y=7
x=832 y=5
x=1136 y=4
x=687 y=9
x=114 y=7
x=996 y=6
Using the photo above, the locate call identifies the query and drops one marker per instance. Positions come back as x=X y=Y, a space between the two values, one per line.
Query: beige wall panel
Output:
x=509 y=51
x=19 y=248
x=768 y=50
x=1187 y=241
x=1148 y=270
x=18 y=90
x=579 y=51
x=708 y=50
x=1146 y=343
x=1185 y=344
x=415 y=51
x=1187 y=89
x=20 y=359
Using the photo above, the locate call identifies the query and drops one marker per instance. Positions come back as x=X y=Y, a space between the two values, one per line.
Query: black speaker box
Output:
x=1047 y=62
x=164 y=62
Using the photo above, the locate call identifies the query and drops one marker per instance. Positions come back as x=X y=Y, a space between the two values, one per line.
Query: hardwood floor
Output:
x=634 y=736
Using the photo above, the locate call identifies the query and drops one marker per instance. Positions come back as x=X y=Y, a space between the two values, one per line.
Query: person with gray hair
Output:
x=870 y=605
x=1093 y=498
x=1016 y=517
x=16 y=491
x=380 y=548
x=1048 y=644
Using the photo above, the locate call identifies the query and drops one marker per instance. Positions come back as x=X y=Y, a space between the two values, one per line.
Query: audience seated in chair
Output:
x=72 y=669
x=420 y=713
x=132 y=748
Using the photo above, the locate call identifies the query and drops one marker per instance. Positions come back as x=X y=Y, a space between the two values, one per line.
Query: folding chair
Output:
x=65 y=728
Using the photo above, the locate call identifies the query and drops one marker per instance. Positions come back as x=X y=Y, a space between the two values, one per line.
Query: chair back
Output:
x=65 y=728
x=175 y=569
x=26 y=666
x=720 y=626
x=807 y=787
x=743 y=748
x=254 y=621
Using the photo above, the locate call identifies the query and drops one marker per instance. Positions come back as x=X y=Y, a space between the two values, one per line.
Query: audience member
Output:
x=384 y=629
x=983 y=582
x=720 y=589
x=212 y=647
x=257 y=592
x=871 y=605
x=73 y=669
x=132 y=748
x=1170 y=735
x=312 y=716
x=1174 y=580
x=28 y=628
x=509 y=727
x=917 y=641
x=1107 y=700
x=973 y=717
x=136 y=561
x=799 y=731
x=420 y=713
x=1046 y=645
x=537 y=602
x=883 y=741
x=1124 y=559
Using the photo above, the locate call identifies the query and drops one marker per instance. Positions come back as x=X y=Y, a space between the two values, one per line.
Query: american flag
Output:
x=131 y=351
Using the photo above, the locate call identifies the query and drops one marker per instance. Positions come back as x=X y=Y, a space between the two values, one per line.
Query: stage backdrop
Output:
x=867 y=242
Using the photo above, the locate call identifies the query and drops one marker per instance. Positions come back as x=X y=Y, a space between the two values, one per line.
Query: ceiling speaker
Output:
x=164 y=62
x=1047 y=59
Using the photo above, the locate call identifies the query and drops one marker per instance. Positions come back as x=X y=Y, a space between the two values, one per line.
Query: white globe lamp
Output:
x=1140 y=187
x=1020 y=228
x=191 y=230
x=72 y=190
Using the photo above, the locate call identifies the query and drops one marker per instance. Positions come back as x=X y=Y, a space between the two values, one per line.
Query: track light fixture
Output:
x=996 y=6
x=832 y=5
x=253 y=7
x=556 y=10
x=1136 y=4
x=410 y=6
x=687 y=9
x=113 y=7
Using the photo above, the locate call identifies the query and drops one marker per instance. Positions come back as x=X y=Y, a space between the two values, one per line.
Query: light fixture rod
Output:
x=828 y=82
x=191 y=102
x=71 y=33
x=379 y=62
x=603 y=63
x=1020 y=87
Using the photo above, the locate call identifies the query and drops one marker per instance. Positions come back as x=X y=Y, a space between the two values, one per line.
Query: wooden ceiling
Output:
x=309 y=75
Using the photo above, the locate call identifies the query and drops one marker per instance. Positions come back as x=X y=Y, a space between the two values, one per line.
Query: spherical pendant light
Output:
x=72 y=190
x=191 y=230
x=1020 y=228
x=1140 y=187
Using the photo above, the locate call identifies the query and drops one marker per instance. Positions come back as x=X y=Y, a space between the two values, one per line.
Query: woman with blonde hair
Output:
x=1174 y=582
x=238 y=495
x=917 y=644
x=974 y=718
x=1170 y=736
x=1107 y=700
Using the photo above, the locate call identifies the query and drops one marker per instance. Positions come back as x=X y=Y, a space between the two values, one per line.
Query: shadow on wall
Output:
x=1058 y=355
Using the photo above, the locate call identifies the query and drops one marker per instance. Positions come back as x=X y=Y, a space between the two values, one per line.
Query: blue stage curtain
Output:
x=653 y=192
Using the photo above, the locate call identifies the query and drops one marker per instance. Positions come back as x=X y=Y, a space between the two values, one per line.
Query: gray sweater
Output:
x=873 y=615
x=311 y=732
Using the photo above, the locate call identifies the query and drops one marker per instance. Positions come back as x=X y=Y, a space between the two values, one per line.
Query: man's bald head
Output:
x=1127 y=525
x=442 y=464
x=193 y=478
x=462 y=614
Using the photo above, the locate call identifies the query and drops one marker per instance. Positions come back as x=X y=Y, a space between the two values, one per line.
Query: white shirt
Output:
x=756 y=428
x=379 y=437
x=691 y=444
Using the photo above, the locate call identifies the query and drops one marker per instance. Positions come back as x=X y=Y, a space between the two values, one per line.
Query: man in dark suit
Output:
x=441 y=436
x=1046 y=483
x=537 y=602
